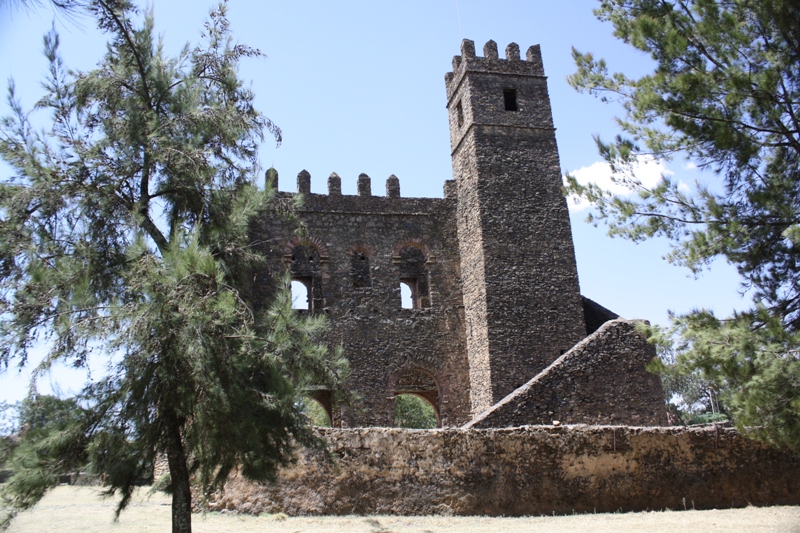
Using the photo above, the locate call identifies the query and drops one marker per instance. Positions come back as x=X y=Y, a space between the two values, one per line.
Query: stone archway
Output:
x=421 y=383
x=324 y=398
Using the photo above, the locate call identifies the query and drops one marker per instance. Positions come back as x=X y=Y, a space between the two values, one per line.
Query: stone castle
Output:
x=497 y=333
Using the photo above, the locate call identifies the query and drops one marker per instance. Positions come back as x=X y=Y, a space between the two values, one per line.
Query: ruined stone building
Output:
x=498 y=333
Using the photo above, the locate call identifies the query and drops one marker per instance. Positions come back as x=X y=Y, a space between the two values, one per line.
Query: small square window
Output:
x=510 y=99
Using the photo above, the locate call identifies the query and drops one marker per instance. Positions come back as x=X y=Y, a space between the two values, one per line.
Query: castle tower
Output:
x=520 y=282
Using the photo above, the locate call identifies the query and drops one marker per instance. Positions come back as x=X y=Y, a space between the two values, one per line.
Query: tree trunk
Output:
x=179 y=474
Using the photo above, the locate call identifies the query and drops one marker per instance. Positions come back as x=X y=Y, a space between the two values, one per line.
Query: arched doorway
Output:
x=318 y=406
x=416 y=394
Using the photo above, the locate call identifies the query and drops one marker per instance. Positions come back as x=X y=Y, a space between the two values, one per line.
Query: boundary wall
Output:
x=524 y=471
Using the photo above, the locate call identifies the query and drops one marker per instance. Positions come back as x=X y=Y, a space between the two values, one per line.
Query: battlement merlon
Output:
x=512 y=65
x=364 y=189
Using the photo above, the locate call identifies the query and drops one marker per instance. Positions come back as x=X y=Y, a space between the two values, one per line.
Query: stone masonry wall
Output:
x=359 y=246
x=520 y=282
x=490 y=267
x=602 y=380
x=525 y=471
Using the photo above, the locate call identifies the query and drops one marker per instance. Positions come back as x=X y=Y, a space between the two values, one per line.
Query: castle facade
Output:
x=495 y=332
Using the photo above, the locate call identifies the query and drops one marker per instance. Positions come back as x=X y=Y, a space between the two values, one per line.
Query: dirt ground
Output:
x=73 y=510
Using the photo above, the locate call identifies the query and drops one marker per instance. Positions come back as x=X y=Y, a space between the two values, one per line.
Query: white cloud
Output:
x=690 y=166
x=647 y=170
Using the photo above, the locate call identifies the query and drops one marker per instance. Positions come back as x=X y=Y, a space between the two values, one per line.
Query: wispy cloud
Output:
x=647 y=170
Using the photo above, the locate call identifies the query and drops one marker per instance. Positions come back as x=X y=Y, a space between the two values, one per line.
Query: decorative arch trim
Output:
x=411 y=366
x=414 y=243
x=436 y=398
x=364 y=247
x=313 y=242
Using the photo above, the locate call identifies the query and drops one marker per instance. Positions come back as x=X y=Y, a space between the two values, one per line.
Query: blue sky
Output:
x=358 y=86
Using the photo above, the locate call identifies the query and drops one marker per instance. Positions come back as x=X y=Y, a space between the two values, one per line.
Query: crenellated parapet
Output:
x=492 y=63
x=393 y=187
x=304 y=182
x=363 y=186
x=490 y=91
x=334 y=184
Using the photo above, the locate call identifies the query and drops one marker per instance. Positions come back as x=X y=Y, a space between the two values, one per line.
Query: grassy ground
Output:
x=71 y=509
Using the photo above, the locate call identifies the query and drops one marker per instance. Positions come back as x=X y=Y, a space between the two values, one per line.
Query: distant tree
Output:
x=8 y=438
x=413 y=412
x=725 y=92
x=691 y=398
x=43 y=449
x=126 y=233
x=8 y=419
x=44 y=412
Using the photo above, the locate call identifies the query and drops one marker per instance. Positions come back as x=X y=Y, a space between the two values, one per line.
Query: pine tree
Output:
x=126 y=234
x=725 y=92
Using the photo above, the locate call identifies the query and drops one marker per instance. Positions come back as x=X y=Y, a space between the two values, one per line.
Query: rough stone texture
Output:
x=360 y=248
x=602 y=380
x=521 y=295
x=490 y=266
x=525 y=471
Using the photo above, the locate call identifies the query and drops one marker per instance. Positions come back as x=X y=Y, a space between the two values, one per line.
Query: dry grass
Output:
x=71 y=509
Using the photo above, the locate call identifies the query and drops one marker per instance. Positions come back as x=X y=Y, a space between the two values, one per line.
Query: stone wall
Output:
x=602 y=380
x=354 y=254
x=525 y=471
x=521 y=296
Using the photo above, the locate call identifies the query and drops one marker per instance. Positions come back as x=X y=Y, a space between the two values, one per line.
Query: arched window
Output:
x=316 y=412
x=300 y=294
x=407 y=297
x=413 y=278
x=306 y=272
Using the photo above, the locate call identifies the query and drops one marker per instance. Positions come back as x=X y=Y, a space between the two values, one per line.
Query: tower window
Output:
x=510 y=99
x=460 y=114
x=301 y=293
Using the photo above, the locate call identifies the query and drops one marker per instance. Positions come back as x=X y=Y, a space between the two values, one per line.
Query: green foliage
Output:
x=691 y=398
x=127 y=231
x=47 y=413
x=690 y=419
x=316 y=413
x=48 y=445
x=725 y=92
x=9 y=421
x=758 y=382
x=9 y=424
x=411 y=411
